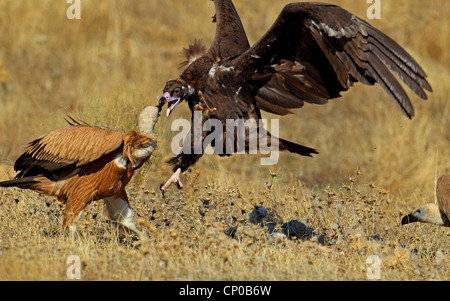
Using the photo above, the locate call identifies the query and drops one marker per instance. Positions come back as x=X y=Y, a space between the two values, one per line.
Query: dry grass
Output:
x=106 y=67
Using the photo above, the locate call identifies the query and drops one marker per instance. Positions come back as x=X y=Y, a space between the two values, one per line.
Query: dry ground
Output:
x=374 y=166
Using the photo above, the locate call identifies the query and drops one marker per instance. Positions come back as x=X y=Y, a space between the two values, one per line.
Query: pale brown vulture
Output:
x=80 y=163
x=438 y=214
x=312 y=53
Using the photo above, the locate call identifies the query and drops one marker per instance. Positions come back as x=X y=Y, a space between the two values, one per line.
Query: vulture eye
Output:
x=176 y=91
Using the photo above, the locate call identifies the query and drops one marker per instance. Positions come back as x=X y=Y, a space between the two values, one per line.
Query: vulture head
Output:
x=428 y=213
x=433 y=213
x=175 y=92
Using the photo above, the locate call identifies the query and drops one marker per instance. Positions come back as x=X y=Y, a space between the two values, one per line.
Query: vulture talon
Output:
x=175 y=178
x=203 y=106
x=162 y=189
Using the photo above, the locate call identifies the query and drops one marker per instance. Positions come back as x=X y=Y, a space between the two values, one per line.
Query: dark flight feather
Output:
x=312 y=53
x=228 y=28
x=354 y=50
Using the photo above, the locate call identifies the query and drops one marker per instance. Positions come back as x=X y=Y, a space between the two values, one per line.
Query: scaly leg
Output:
x=206 y=111
x=119 y=210
x=175 y=178
x=203 y=106
x=73 y=211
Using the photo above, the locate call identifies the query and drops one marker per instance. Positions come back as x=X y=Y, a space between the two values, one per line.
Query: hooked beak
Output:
x=410 y=218
x=162 y=102
x=172 y=102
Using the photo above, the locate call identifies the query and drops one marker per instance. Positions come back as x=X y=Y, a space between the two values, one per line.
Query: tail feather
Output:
x=296 y=148
x=23 y=183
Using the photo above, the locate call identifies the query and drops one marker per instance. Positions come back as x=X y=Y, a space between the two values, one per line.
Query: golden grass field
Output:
x=374 y=166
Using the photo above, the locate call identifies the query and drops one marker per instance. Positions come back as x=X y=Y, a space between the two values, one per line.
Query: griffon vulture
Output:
x=80 y=163
x=439 y=213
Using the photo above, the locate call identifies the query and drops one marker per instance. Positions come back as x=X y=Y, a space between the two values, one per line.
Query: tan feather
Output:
x=78 y=144
x=443 y=194
x=432 y=213
x=81 y=163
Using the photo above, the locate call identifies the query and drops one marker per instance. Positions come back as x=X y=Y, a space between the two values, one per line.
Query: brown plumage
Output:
x=80 y=163
x=438 y=214
x=312 y=53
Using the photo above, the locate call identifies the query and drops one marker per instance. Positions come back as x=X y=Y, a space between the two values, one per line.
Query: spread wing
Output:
x=230 y=39
x=314 y=51
x=76 y=144
x=443 y=194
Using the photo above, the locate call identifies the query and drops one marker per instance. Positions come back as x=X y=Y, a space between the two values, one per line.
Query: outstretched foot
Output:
x=175 y=178
x=202 y=106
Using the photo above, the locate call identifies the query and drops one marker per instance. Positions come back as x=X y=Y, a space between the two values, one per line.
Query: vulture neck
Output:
x=434 y=215
x=140 y=148
x=147 y=120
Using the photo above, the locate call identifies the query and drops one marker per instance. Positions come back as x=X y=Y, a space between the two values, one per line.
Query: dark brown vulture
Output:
x=312 y=53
